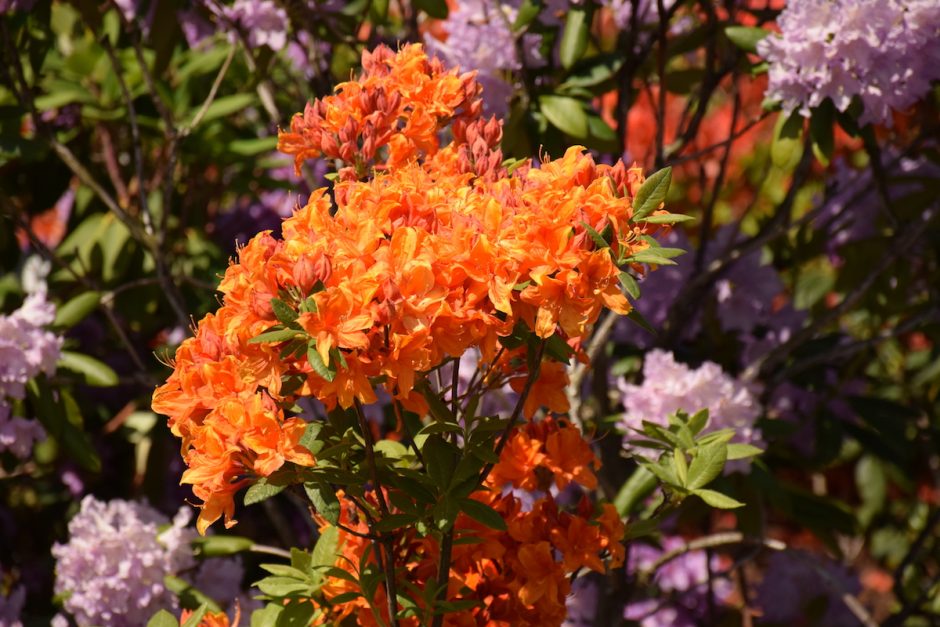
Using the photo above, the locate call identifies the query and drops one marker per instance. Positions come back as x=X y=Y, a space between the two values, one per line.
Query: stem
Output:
x=385 y=540
x=443 y=573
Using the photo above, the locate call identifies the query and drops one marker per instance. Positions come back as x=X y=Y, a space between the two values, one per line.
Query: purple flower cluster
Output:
x=682 y=583
x=886 y=52
x=743 y=296
x=111 y=570
x=669 y=386
x=479 y=37
x=796 y=581
x=26 y=349
x=263 y=22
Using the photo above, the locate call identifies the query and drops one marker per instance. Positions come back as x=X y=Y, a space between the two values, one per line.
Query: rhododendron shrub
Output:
x=428 y=245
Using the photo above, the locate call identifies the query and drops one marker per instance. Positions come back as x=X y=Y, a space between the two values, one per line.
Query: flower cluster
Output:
x=26 y=350
x=442 y=250
x=884 y=52
x=683 y=584
x=520 y=574
x=669 y=386
x=111 y=570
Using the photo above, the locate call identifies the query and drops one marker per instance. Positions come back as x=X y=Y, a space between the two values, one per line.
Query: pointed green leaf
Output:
x=316 y=362
x=739 y=450
x=75 y=310
x=274 y=335
x=707 y=464
x=717 y=499
x=261 y=491
x=745 y=37
x=96 y=373
x=483 y=514
x=651 y=194
x=566 y=114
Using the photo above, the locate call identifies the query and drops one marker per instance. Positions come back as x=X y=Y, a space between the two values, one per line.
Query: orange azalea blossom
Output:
x=431 y=249
x=553 y=447
x=213 y=619
x=519 y=576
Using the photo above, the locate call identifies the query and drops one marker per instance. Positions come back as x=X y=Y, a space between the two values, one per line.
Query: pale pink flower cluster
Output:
x=669 y=386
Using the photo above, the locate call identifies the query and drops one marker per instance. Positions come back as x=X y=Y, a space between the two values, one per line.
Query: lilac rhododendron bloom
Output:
x=885 y=52
x=669 y=386
x=111 y=571
x=682 y=584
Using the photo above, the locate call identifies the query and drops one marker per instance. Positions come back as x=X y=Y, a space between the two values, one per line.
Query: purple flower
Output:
x=795 y=580
x=682 y=585
x=886 y=52
x=18 y=435
x=26 y=349
x=263 y=22
x=744 y=298
x=111 y=570
x=669 y=386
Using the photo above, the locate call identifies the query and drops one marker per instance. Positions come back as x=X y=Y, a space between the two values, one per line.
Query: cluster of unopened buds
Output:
x=434 y=247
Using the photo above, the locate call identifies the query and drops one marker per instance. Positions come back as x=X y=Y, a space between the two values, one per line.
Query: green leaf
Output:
x=574 y=38
x=787 y=146
x=566 y=114
x=745 y=37
x=316 y=362
x=596 y=237
x=640 y=485
x=283 y=570
x=739 y=450
x=96 y=373
x=651 y=256
x=528 y=11
x=283 y=586
x=252 y=147
x=262 y=491
x=483 y=514
x=225 y=106
x=274 y=335
x=324 y=553
x=441 y=458
x=163 y=619
x=698 y=421
x=666 y=218
x=284 y=312
x=593 y=71
x=434 y=8
x=395 y=521
x=629 y=285
x=75 y=310
x=651 y=194
x=218 y=546
x=638 y=319
x=439 y=409
x=189 y=596
x=324 y=500
x=707 y=464
x=681 y=465
x=821 y=131
x=717 y=499
x=296 y=614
